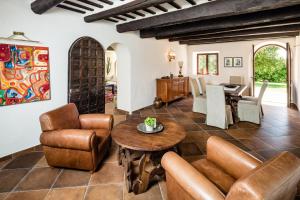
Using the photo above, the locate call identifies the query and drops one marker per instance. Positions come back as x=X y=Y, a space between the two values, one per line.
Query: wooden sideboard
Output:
x=172 y=89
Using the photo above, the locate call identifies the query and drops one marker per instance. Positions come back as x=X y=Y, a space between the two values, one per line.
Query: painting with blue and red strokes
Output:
x=24 y=74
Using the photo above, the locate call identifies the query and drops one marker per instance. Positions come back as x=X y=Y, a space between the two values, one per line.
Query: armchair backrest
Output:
x=216 y=107
x=230 y=158
x=275 y=179
x=202 y=85
x=236 y=80
x=65 y=117
x=261 y=92
x=195 y=87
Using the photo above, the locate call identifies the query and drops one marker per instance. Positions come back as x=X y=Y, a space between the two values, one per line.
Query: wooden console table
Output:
x=171 y=89
x=140 y=153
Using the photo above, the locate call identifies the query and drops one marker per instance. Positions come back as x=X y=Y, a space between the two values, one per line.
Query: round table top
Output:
x=127 y=136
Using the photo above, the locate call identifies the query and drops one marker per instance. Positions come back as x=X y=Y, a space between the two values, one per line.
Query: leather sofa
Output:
x=75 y=141
x=229 y=173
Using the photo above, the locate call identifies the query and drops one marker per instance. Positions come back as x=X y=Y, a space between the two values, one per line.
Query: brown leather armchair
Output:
x=232 y=174
x=75 y=141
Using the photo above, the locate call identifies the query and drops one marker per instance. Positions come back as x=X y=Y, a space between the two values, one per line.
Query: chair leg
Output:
x=262 y=111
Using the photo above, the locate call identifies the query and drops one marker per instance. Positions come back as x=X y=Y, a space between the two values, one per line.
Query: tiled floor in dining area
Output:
x=29 y=177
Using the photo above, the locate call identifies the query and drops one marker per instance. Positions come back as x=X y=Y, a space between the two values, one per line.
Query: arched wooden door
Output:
x=86 y=76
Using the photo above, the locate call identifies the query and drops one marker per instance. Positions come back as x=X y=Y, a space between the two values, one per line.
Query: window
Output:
x=208 y=64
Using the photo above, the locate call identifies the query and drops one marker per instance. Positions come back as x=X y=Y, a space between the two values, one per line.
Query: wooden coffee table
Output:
x=140 y=153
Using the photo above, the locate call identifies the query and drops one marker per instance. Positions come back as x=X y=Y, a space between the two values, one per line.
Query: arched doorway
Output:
x=271 y=64
x=86 y=75
x=120 y=75
x=111 y=86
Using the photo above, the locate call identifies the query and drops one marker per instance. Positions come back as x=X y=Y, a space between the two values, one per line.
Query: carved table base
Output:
x=141 y=168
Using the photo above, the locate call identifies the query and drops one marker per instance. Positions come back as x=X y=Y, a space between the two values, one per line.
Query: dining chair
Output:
x=236 y=80
x=251 y=109
x=199 y=101
x=202 y=85
x=218 y=113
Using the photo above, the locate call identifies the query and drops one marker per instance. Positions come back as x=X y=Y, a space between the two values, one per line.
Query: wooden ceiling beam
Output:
x=161 y=8
x=204 y=11
x=126 y=8
x=120 y=18
x=41 y=6
x=138 y=13
x=78 y=5
x=175 y=5
x=107 y=2
x=288 y=25
x=241 y=38
x=223 y=23
x=70 y=8
x=264 y=31
x=192 y=2
x=148 y=10
x=111 y=20
x=91 y=3
x=129 y=16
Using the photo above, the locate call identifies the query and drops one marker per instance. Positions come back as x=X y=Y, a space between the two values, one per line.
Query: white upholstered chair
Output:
x=199 y=101
x=218 y=113
x=236 y=80
x=250 y=109
x=202 y=85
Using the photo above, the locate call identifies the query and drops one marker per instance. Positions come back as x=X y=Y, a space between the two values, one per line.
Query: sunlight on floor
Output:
x=273 y=96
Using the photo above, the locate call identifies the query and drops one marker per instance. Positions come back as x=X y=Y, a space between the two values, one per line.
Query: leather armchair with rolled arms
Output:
x=228 y=173
x=75 y=141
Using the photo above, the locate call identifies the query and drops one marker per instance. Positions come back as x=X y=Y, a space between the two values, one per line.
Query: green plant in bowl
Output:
x=150 y=123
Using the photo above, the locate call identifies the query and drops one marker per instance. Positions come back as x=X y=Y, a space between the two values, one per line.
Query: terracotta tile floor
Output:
x=28 y=177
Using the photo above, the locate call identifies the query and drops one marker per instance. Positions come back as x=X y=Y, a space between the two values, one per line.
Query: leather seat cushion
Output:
x=215 y=174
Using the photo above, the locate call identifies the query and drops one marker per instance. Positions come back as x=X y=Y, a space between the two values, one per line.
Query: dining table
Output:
x=233 y=93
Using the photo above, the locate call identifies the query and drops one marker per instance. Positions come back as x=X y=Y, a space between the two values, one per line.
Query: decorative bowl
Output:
x=142 y=128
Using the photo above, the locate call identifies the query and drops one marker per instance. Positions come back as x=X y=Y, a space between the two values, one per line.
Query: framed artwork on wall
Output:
x=238 y=62
x=24 y=74
x=228 y=61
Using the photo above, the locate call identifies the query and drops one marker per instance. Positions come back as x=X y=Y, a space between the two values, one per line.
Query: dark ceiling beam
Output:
x=241 y=38
x=126 y=8
x=107 y=2
x=192 y=2
x=70 y=9
x=214 y=9
x=148 y=10
x=161 y=8
x=294 y=26
x=91 y=3
x=78 y=5
x=120 y=18
x=138 y=13
x=111 y=20
x=41 y=6
x=129 y=16
x=175 y=5
x=242 y=34
x=223 y=23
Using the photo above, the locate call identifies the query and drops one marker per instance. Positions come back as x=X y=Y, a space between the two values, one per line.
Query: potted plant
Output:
x=150 y=123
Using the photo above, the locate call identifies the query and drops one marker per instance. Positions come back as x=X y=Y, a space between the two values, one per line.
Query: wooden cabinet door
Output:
x=86 y=76
x=181 y=87
x=175 y=88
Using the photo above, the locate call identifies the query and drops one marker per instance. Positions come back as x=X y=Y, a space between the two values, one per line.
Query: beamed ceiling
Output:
x=190 y=22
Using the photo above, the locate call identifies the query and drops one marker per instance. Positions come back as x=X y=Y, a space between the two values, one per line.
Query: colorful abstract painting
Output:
x=24 y=74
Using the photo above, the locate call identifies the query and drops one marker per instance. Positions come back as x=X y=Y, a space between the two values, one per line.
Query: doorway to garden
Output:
x=271 y=63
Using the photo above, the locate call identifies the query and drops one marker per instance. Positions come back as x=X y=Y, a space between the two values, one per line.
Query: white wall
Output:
x=235 y=49
x=58 y=29
x=297 y=72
